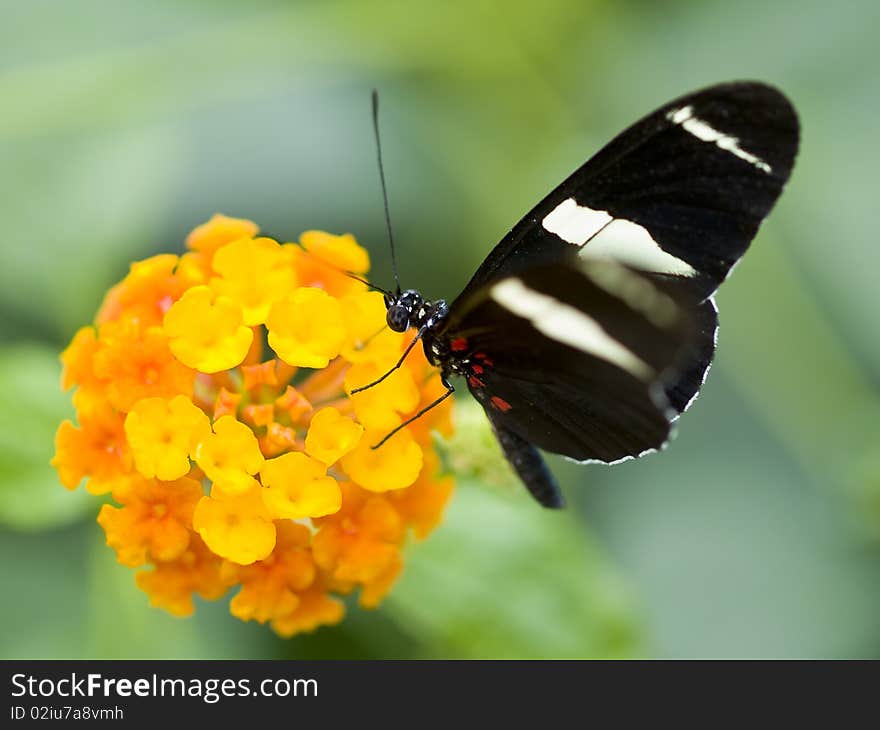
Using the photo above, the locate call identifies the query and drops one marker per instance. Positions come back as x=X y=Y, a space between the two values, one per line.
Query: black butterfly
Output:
x=590 y=327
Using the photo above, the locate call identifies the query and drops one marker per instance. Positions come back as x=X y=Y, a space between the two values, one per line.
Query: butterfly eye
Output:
x=397 y=318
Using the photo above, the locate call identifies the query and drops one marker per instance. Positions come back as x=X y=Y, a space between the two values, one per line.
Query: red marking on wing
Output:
x=501 y=404
x=475 y=382
x=485 y=358
x=459 y=344
x=478 y=369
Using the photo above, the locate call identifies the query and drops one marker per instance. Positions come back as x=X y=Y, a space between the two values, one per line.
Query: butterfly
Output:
x=591 y=326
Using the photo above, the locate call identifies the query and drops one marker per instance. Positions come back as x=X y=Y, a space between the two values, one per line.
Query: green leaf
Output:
x=503 y=578
x=31 y=408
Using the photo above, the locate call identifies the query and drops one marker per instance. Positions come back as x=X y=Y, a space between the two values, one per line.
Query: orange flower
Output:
x=361 y=541
x=149 y=290
x=376 y=589
x=136 y=363
x=97 y=450
x=421 y=504
x=78 y=360
x=314 y=608
x=171 y=585
x=154 y=523
x=270 y=588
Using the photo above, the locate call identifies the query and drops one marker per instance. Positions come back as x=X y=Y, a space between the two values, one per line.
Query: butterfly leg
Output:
x=449 y=391
x=406 y=352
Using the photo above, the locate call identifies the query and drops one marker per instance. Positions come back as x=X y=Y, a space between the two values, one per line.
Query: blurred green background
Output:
x=757 y=534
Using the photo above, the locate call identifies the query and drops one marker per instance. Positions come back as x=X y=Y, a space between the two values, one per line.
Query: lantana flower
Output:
x=214 y=406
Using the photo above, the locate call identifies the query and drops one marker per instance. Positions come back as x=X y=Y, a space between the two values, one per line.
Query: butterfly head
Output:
x=404 y=310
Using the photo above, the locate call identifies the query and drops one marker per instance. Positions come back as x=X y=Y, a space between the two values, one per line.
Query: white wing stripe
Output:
x=565 y=324
x=631 y=244
x=707 y=133
x=616 y=239
x=575 y=223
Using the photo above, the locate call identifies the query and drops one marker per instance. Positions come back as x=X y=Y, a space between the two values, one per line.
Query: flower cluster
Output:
x=214 y=405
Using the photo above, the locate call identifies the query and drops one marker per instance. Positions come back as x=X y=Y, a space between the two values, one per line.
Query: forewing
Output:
x=681 y=192
x=683 y=385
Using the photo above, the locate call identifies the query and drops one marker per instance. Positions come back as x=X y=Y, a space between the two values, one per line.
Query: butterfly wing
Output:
x=572 y=357
x=683 y=386
x=569 y=351
x=681 y=192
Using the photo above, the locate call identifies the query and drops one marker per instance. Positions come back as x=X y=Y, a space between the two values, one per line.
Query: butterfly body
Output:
x=591 y=326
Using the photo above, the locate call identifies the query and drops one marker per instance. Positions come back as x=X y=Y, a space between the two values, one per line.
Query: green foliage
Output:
x=504 y=578
x=31 y=408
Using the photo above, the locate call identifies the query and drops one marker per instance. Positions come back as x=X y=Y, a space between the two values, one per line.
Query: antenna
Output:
x=343 y=271
x=384 y=188
x=339 y=269
x=363 y=281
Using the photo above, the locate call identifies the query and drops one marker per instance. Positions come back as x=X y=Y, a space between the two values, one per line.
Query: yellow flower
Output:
x=322 y=257
x=154 y=523
x=206 y=331
x=379 y=408
x=292 y=518
x=238 y=528
x=331 y=435
x=163 y=434
x=306 y=328
x=296 y=486
x=366 y=342
x=439 y=418
x=219 y=231
x=194 y=267
x=256 y=273
x=394 y=465
x=230 y=456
